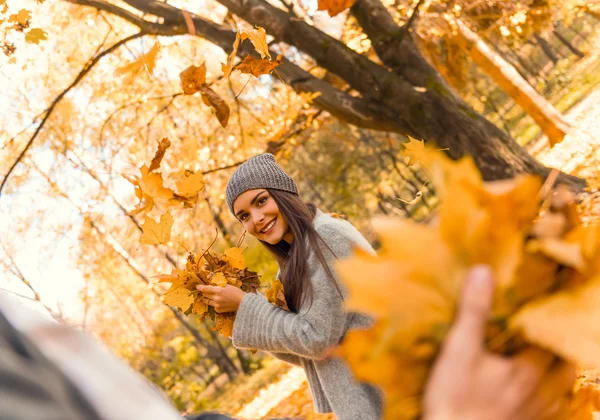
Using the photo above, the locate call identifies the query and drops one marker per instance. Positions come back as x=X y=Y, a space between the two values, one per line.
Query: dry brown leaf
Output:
x=228 y=67
x=219 y=106
x=193 y=79
x=276 y=295
x=258 y=37
x=258 y=67
x=224 y=324
x=163 y=145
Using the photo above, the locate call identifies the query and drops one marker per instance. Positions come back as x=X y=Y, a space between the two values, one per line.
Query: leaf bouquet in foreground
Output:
x=546 y=267
x=212 y=269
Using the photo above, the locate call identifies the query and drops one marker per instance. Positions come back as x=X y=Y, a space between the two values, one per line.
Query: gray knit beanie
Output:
x=258 y=172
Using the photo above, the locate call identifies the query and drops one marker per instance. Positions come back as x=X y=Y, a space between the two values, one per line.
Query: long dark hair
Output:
x=293 y=265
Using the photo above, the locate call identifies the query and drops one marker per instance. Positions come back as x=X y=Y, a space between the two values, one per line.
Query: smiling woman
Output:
x=305 y=242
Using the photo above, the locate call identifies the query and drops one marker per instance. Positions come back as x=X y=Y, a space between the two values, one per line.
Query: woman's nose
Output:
x=257 y=217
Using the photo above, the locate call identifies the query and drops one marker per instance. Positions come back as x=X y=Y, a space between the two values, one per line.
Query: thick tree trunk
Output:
x=546 y=47
x=567 y=44
x=411 y=100
x=506 y=76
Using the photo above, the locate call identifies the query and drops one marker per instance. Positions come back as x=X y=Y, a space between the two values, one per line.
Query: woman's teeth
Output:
x=269 y=226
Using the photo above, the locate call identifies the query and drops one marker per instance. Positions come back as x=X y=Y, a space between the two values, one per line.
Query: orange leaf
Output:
x=219 y=106
x=333 y=7
x=258 y=37
x=229 y=66
x=258 y=67
x=147 y=61
x=193 y=78
x=163 y=145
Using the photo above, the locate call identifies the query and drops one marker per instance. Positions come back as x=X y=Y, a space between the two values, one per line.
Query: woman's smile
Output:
x=269 y=227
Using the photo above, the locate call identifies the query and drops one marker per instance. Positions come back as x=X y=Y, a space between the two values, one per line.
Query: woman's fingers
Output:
x=550 y=396
x=527 y=370
x=474 y=307
x=208 y=290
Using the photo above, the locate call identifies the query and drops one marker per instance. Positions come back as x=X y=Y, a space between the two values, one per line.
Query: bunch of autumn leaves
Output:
x=546 y=266
x=214 y=269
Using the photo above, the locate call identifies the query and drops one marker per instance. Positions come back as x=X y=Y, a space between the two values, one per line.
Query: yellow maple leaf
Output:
x=199 y=307
x=145 y=61
x=21 y=17
x=191 y=184
x=219 y=279
x=35 y=36
x=150 y=190
x=157 y=233
x=258 y=37
x=235 y=258
x=413 y=149
x=334 y=7
x=179 y=297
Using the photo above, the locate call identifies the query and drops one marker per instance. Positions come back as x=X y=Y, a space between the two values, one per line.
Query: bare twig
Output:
x=86 y=69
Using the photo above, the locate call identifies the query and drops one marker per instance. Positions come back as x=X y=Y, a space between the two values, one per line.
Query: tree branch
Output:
x=48 y=112
x=358 y=111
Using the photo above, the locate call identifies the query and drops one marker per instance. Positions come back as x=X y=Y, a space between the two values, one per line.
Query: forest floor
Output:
x=578 y=154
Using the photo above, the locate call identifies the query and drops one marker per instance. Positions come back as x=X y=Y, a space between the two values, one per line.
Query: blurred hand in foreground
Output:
x=469 y=382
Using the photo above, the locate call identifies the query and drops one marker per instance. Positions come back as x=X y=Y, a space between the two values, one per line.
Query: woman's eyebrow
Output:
x=251 y=202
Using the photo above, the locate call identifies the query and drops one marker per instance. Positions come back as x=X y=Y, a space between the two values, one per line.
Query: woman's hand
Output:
x=223 y=299
x=468 y=382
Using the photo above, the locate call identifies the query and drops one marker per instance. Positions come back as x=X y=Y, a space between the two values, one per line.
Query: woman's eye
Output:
x=262 y=200
x=243 y=217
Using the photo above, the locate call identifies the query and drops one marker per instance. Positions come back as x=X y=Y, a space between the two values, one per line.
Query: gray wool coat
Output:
x=300 y=338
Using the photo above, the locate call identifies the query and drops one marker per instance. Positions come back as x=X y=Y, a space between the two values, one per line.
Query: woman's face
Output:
x=260 y=215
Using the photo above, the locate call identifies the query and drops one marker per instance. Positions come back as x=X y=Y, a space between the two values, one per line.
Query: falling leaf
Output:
x=193 y=79
x=157 y=233
x=258 y=37
x=235 y=258
x=35 y=35
x=334 y=7
x=219 y=106
x=147 y=61
x=163 y=145
x=258 y=67
x=180 y=297
x=191 y=184
x=229 y=65
x=21 y=17
x=150 y=190
x=413 y=150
